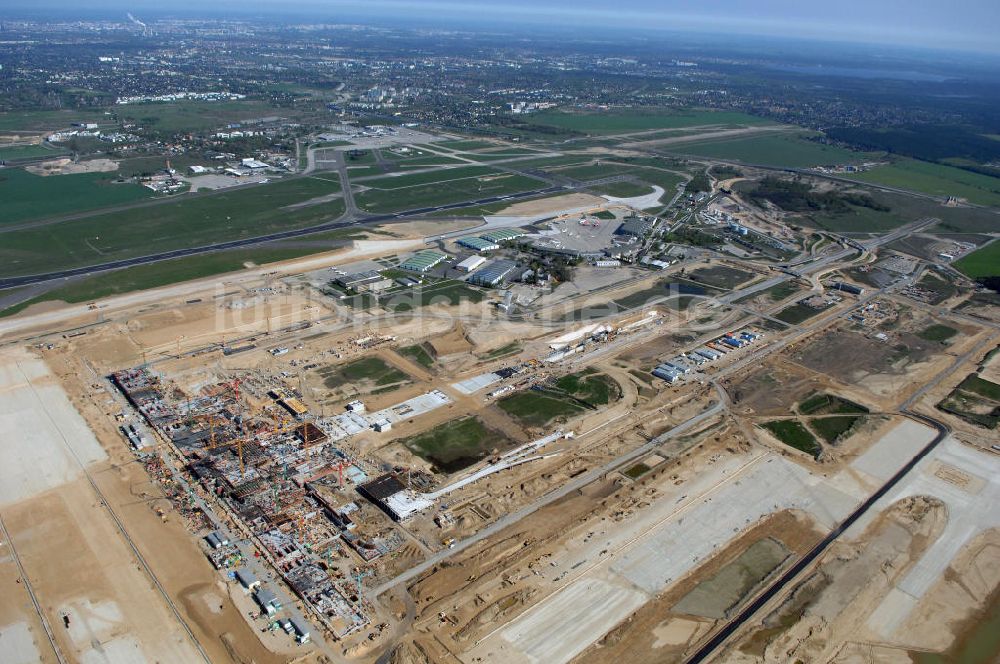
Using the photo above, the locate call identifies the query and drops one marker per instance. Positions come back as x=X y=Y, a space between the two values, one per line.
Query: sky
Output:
x=959 y=24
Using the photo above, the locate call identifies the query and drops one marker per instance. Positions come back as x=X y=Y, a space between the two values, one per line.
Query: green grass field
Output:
x=633 y=120
x=782 y=150
x=418 y=354
x=831 y=429
x=391 y=194
x=196 y=115
x=981 y=387
x=49 y=120
x=25 y=196
x=188 y=221
x=467 y=144
x=372 y=370
x=596 y=389
x=793 y=434
x=782 y=291
x=935 y=179
x=829 y=404
x=796 y=313
x=937 y=332
x=446 y=292
x=983 y=262
x=536 y=409
x=636 y=471
x=19 y=152
x=164 y=273
x=457 y=444
x=503 y=351
x=411 y=180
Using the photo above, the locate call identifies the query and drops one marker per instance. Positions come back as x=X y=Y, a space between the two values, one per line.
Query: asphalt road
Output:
x=14 y=282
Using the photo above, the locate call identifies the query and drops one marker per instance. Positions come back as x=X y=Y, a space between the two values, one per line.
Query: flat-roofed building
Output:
x=493 y=274
x=370 y=281
x=471 y=263
x=635 y=227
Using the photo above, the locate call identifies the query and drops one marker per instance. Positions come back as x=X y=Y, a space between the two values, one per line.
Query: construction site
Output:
x=296 y=477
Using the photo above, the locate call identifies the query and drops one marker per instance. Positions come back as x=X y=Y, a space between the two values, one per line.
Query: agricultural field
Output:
x=190 y=221
x=936 y=180
x=457 y=444
x=781 y=150
x=983 y=262
x=626 y=121
x=25 y=196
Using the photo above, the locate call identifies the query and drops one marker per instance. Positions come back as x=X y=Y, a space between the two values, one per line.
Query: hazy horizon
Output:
x=967 y=25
